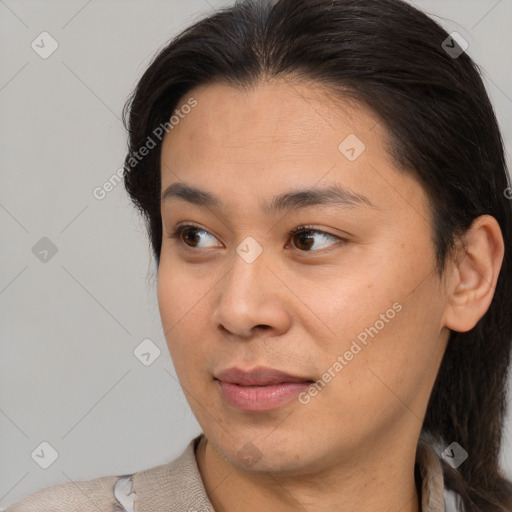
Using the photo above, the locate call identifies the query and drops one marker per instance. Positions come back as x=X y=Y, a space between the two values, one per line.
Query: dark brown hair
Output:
x=390 y=57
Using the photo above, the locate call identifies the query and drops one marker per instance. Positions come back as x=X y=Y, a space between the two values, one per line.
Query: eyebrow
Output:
x=334 y=195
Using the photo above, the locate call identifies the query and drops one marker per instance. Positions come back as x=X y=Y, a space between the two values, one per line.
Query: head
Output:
x=394 y=298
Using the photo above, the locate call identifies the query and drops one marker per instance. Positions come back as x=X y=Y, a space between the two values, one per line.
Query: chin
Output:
x=264 y=451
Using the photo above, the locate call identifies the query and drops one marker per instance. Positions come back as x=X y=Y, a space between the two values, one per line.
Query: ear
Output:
x=474 y=273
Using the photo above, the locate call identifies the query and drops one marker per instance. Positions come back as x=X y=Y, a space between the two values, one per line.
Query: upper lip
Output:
x=260 y=376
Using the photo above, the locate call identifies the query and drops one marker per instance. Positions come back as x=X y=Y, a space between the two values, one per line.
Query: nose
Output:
x=250 y=299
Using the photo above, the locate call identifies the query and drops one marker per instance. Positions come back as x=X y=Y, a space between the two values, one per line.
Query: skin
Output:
x=299 y=306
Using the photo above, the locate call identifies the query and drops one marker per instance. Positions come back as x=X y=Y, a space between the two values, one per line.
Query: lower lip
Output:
x=261 y=398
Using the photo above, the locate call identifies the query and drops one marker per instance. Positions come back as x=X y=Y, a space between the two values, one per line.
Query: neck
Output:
x=377 y=483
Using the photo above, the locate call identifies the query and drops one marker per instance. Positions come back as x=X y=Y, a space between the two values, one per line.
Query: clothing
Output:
x=178 y=487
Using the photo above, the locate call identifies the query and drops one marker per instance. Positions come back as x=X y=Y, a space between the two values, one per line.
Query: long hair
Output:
x=394 y=59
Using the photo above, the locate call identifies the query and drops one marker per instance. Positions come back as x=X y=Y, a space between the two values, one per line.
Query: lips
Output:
x=260 y=376
x=259 y=390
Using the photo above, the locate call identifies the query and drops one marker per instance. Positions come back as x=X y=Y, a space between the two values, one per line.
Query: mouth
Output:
x=260 y=389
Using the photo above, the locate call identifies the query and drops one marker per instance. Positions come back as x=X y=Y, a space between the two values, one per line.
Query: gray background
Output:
x=68 y=375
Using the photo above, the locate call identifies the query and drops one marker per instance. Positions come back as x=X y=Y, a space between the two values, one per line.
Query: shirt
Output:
x=178 y=487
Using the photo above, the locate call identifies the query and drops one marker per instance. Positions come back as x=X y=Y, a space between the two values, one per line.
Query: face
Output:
x=349 y=306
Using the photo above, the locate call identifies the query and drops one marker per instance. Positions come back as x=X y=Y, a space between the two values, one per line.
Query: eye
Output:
x=303 y=236
x=189 y=233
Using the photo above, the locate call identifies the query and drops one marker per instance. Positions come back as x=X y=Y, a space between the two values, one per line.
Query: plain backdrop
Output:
x=77 y=281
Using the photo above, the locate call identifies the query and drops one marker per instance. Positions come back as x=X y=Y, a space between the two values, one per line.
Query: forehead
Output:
x=274 y=113
x=280 y=122
x=255 y=142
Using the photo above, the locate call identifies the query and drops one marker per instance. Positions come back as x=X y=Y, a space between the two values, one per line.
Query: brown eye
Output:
x=304 y=238
x=190 y=235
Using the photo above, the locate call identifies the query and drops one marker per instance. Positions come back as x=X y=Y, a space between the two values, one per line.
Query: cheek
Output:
x=350 y=296
x=387 y=322
x=181 y=302
x=182 y=290
x=391 y=355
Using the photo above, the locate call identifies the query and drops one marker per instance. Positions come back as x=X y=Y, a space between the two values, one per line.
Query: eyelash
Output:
x=299 y=229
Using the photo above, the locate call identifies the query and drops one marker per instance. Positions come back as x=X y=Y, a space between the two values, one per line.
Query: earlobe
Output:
x=474 y=274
